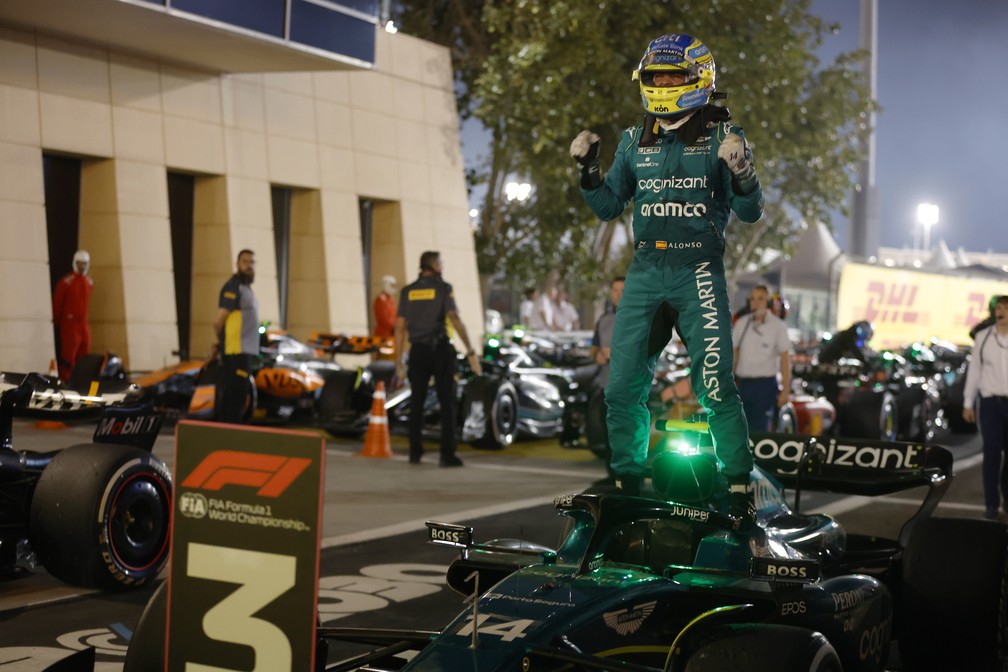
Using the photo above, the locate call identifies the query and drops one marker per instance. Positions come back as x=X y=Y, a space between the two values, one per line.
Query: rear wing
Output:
x=856 y=467
x=33 y=395
x=356 y=345
x=849 y=466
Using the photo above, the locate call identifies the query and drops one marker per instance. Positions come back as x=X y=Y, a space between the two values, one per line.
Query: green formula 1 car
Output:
x=669 y=582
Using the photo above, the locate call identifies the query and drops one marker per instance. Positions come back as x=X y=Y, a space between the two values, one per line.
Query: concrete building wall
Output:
x=389 y=135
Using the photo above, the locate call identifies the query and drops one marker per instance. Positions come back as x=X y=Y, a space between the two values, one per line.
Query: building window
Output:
x=281 y=238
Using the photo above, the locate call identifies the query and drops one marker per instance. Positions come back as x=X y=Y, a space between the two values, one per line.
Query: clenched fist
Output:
x=584 y=148
x=735 y=152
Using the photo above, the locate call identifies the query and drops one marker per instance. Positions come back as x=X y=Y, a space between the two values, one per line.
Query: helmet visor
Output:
x=668 y=77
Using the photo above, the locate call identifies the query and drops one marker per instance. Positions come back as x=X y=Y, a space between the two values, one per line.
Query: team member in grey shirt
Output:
x=236 y=328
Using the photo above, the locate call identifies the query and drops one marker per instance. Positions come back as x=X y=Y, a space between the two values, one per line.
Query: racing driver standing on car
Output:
x=686 y=168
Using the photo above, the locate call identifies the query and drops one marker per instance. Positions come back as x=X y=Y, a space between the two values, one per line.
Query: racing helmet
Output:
x=679 y=54
x=82 y=256
x=863 y=332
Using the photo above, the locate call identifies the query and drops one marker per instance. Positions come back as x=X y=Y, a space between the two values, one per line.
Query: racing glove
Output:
x=584 y=149
x=741 y=506
x=735 y=152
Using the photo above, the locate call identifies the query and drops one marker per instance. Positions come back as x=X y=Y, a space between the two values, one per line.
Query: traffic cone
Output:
x=53 y=369
x=377 y=442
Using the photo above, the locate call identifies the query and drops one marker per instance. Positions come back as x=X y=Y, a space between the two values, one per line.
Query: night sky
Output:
x=941 y=134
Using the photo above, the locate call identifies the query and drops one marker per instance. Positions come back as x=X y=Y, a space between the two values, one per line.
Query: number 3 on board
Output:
x=262 y=577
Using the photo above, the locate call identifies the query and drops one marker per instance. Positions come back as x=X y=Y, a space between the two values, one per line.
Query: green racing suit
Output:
x=683 y=195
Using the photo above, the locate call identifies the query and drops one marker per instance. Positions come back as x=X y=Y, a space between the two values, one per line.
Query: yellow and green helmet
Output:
x=680 y=54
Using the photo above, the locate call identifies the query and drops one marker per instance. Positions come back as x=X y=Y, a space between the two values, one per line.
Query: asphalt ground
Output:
x=376 y=569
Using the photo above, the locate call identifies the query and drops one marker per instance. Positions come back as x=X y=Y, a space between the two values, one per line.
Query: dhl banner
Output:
x=906 y=306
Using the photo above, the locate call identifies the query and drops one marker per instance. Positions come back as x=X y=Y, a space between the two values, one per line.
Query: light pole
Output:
x=927 y=216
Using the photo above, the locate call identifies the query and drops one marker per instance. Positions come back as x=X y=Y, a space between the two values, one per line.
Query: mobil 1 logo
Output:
x=245 y=548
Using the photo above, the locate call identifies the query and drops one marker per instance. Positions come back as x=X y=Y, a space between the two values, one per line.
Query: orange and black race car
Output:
x=294 y=381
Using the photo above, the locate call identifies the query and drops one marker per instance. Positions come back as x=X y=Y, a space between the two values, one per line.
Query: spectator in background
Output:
x=985 y=400
x=545 y=310
x=236 y=330
x=385 y=308
x=566 y=317
x=71 y=300
x=762 y=350
x=987 y=321
x=527 y=316
x=602 y=338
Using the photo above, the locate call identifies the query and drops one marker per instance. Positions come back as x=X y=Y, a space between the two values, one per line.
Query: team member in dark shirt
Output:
x=424 y=306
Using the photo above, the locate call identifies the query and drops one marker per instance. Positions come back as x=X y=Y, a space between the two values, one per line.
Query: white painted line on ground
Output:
x=432 y=462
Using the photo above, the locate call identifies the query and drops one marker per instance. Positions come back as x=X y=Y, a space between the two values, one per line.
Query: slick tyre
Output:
x=99 y=516
x=871 y=415
x=500 y=409
x=953 y=597
x=765 y=648
x=147 y=646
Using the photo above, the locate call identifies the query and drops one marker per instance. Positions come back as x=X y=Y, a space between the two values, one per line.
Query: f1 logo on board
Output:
x=272 y=474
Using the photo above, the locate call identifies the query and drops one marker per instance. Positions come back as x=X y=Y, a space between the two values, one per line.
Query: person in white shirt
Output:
x=566 y=317
x=544 y=311
x=762 y=350
x=985 y=401
x=528 y=316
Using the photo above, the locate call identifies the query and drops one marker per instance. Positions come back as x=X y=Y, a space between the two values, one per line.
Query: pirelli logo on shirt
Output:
x=230 y=295
x=422 y=294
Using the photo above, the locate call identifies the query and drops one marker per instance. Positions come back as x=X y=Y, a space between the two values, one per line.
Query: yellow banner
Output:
x=906 y=306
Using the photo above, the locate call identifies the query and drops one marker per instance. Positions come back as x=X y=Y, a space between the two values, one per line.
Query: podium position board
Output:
x=242 y=587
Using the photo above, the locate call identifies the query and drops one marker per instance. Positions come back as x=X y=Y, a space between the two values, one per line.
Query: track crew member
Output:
x=686 y=168
x=762 y=350
x=385 y=308
x=71 y=300
x=987 y=378
x=424 y=305
x=236 y=329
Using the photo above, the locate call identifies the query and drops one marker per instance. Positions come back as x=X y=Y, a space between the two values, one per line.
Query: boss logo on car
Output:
x=454 y=535
x=445 y=535
x=774 y=569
